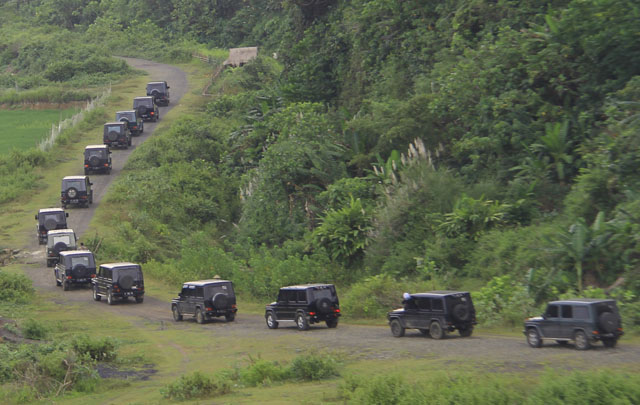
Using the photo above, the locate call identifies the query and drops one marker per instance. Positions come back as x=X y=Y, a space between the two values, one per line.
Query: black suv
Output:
x=97 y=158
x=147 y=108
x=434 y=313
x=583 y=320
x=50 y=219
x=118 y=280
x=116 y=134
x=304 y=304
x=76 y=190
x=205 y=299
x=159 y=91
x=74 y=267
x=133 y=120
x=58 y=241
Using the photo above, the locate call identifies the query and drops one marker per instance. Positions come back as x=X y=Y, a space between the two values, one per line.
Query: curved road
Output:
x=496 y=353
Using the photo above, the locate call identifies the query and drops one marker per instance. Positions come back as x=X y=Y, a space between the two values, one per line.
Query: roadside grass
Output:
x=22 y=129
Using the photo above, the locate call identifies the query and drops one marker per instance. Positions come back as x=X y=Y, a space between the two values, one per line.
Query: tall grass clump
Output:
x=15 y=288
x=196 y=385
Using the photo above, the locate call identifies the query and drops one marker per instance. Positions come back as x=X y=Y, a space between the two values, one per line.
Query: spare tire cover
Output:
x=126 y=282
x=608 y=321
x=323 y=305
x=142 y=109
x=124 y=119
x=220 y=301
x=72 y=192
x=112 y=135
x=78 y=271
x=59 y=247
x=460 y=312
x=94 y=161
x=50 y=224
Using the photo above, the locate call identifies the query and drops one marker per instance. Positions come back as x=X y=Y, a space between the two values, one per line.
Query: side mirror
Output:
x=66 y=214
x=168 y=87
x=36 y=217
x=91 y=184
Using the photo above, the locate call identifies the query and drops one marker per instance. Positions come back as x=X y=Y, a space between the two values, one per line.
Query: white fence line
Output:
x=57 y=129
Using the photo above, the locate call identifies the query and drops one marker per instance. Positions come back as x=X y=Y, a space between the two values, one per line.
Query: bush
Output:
x=372 y=298
x=312 y=367
x=100 y=349
x=196 y=385
x=15 y=288
x=263 y=372
x=32 y=329
x=503 y=302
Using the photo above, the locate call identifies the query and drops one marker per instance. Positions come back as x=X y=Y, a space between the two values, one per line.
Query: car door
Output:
x=182 y=302
x=285 y=310
x=423 y=317
x=191 y=295
x=550 y=324
x=411 y=313
x=567 y=324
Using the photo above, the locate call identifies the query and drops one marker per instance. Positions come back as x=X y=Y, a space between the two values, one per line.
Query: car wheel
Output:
x=466 y=332
x=86 y=172
x=332 y=323
x=301 y=322
x=58 y=283
x=581 y=340
x=65 y=285
x=109 y=298
x=96 y=297
x=610 y=342
x=49 y=263
x=533 y=338
x=177 y=316
x=435 y=330
x=271 y=321
x=396 y=328
x=230 y=317
x=199 y=316
x=139 y=300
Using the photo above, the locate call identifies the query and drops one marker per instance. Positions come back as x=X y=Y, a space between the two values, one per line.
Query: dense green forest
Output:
x=484 y=145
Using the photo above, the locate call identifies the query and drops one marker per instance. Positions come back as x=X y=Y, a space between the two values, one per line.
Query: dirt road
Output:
x=497 y=353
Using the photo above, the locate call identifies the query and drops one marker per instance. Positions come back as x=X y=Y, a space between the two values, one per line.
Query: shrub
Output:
x=100 y=349
x=32 y=329
x=372 y=298
x=263 y=372
x=196 y=385
x=15 y=288
x=312 y=367
x=503 y=301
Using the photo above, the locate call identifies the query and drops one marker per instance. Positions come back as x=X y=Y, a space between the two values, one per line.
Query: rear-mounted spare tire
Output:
x=112 y=136
x=220 y=301
x=78 y=271
x=72 y=192
x=94 y=161
x=50 y=224
x=59 y=247
x=323 y=305
x=141 y=109
x=461 y=312
x=608 y=321
x=125 y=282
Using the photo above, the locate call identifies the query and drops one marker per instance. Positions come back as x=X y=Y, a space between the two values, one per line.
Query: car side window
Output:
x=199 y=292
x=437 y=305
x=282 y=296
x=424 y=304
x=302 y=296
x=552 y=311
x=108 y=273
x=567 y=311
x=580 y=312
x=185 y=291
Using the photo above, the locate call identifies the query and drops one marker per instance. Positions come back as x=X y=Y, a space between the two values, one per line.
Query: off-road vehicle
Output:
x=76 y=190
x=74 y=267
x=133 y=120
x=583 y=321
x=147 y=108
x=97 y=158
x=305 y=305
x=116 y=135
x=434 y=313
x=58 y=241
x=119 y=280
x=49 y=219
x=205 y=299
x=159 y=91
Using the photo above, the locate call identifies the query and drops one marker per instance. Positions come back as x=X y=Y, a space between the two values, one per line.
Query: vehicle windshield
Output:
x=85 y=260
x=131 y=116
x=56 y=216
x=323 y=293
x=77 y=184
x=116 y=128
x=95 y=152
x=211 y=290
x=127 y=271
x=155 y=86
x=66 y=239
x=145 y=102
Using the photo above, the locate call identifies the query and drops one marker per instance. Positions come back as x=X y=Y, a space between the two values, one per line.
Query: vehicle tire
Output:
x=139 y=300
x=220 y=301
x=96 y=297
x=49 y=263
x=124 y=119
x=562 y=342
x=230 y=317
x=271 y=321
x=608 y=321
x=533 y=338
x=72 y=192
x=78 y=271
x=581 y=340
x=323 y=305
x=86 y=172
x=126 y=282
x=94 y=161
x=65 y=285
x=112 y=136
x=109 y=171
x=91 y=199
x=301 y=321
x=58 y=283
x=461 y=312
x=396 y=328
x=59 y=247
x=466 y=332
x=177 y=316
x=424 y=332
x=110 y=298
x=142 y=110
x=610 y=343
x=436 y=331
x=50 y=224
x=332 y=323
x=199 y=316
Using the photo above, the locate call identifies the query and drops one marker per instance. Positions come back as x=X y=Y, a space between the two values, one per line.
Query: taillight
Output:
x=93 y=276
x=68 y=277
x=106 y=164
x=595 y=332
x=135 y=127
x=86 y=165
x=312 y=313
x=209 y=309
x=234 y=306
x=152 y=112
x=336 y=310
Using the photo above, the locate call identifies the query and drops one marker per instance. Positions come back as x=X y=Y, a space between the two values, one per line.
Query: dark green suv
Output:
x=133 y=120
x=147 y=108
x=76 y=267
x=119 y=280
x=204 y=300
x=116 y=134
x=582 y=320
x=159 y=91
x=304 y=305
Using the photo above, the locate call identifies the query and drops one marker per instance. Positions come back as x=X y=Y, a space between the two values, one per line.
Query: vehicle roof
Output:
x=60 y=231
x=145 y=97
x=121 y=264
x=582 y=301
x=96 y=147
x=74 y=177
x=50 y=210
x=438 y=293
x=201 y=283
x=126 y=111
x=301 y=286
x=115 y=123
x=161 y=82
x=75 y=252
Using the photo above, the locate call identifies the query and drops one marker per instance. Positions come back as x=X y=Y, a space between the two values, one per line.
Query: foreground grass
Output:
x=23 y=129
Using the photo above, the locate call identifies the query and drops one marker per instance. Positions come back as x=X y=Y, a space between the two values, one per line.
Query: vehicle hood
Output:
x=534 y=319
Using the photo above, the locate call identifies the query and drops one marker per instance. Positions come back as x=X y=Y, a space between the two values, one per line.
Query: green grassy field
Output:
x=23 y=129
